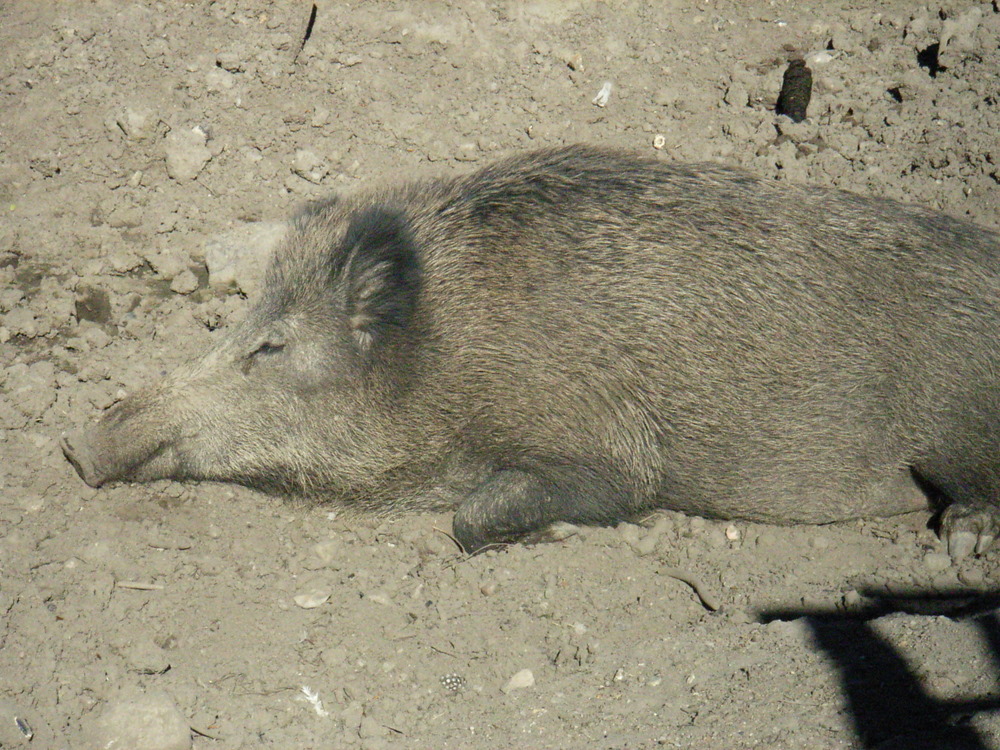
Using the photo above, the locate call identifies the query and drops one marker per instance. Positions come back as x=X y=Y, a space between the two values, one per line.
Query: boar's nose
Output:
x=77 y=449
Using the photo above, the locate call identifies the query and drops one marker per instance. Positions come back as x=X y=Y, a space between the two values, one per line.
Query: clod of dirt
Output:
x=136 y=123
x=186 y=153
x=310 y=166
x=236 y=259
x=140 y=721
x=93 y=304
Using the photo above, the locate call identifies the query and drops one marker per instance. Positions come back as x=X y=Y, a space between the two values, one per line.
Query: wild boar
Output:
x=579 y=334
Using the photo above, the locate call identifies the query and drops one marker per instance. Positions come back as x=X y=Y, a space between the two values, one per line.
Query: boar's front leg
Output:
x=512 y=503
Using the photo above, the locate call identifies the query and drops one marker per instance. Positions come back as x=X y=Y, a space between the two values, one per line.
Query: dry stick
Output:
x=139 y=585
x=707 y=599
x=307 y=32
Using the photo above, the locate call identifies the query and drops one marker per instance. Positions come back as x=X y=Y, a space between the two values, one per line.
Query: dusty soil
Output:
x=135 y=137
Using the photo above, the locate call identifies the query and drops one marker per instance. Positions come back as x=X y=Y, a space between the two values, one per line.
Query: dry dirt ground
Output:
x=137 y=139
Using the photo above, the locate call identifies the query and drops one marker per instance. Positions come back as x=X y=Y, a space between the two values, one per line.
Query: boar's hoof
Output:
x=969 y=527
x=76 y=448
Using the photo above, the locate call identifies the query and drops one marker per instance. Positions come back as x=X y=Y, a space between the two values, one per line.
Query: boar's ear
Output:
x=380 y=275
x=310 y=209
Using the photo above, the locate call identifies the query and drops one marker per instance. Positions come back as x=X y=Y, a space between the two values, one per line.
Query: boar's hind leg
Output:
x=971 y=522
x=511 y=504
x=970 y=525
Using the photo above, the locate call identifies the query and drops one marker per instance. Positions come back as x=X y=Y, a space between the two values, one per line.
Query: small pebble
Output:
x=790 y=628
x=229 y=61
x=736 y=95
x=732 y=533
x=659 y=142
x=320 y=117
x=379 y=597
x=522 y=679
x=312 y=599
x=818 y=58
x=218 y=79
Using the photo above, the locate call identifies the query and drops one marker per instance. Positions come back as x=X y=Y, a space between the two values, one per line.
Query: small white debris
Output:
x=601 y=100
x=819 y=58
x=523 y=679
x=379 y=597
x=659 y=141
x=732 y=533
x=312 y=599
x=313 y=697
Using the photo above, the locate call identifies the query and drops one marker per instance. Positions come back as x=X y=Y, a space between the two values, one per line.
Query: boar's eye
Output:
x=265 y=348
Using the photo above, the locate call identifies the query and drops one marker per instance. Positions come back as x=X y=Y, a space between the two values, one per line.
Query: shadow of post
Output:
x=889 y=707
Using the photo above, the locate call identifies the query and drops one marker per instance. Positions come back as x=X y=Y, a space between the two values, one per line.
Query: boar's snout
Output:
x=78 y=450
x=127 y=443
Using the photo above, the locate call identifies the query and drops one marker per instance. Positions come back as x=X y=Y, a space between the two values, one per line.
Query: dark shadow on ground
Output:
x=890 y=708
